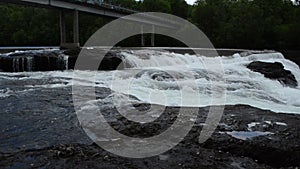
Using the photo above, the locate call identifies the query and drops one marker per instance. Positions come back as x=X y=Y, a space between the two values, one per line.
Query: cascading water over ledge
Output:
x=40 y=60
x=168 y=73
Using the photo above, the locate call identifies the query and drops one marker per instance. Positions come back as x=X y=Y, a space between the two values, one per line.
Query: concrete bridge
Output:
x=96 y=7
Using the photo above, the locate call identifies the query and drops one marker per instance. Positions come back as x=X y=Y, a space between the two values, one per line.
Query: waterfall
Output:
x=66 y=61
x=15 y=65
x=169 y=73
x=29 y=61
x=161 y=78
x=63 y=62
x=23 y=64
x=150 y=58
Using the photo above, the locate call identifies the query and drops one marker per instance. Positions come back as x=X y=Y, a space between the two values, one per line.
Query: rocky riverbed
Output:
x=40 y=129
x=246 y=137
x=51 y=137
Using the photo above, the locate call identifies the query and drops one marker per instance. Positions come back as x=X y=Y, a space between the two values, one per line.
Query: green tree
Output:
x=179 y=8
x=156 y=6
x=256 y=24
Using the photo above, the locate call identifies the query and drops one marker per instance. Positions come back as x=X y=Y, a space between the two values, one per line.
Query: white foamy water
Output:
x=187 y=80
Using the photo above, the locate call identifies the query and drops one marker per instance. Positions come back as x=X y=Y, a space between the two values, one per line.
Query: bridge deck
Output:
x=102 y=10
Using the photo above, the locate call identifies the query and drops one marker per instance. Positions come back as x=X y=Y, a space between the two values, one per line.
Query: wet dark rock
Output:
x=33 y=61
x=274 y=71
x=271 y=149
x=112 y=61
x=91 y=156
x=60 y=60
x=72 y=52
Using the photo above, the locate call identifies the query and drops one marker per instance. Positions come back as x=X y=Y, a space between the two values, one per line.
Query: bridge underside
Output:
x=96 y=10
x=65 y=6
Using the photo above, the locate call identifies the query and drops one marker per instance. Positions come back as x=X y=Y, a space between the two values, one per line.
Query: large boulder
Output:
x=274 y=71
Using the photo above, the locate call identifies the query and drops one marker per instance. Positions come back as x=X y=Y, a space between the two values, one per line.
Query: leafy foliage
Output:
x=258 y=24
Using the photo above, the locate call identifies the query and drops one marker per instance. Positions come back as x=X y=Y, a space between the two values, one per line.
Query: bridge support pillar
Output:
x=62 y=28
x=75 y=27
x=63 y=35
x=142 y=36
x=153 y=36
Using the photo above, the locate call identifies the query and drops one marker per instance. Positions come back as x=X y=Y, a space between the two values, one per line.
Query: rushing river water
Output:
x=37 y=107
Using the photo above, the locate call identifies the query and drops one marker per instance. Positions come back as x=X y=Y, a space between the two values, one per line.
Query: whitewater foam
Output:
x=159 y=77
